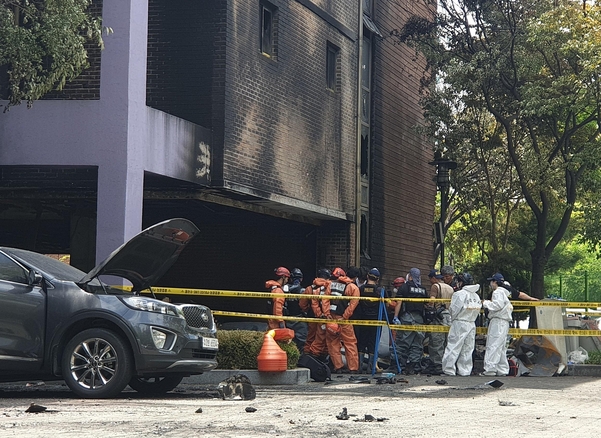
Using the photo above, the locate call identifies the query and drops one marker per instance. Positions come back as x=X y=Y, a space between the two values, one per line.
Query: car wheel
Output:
x=96 y=363
x=155 y=385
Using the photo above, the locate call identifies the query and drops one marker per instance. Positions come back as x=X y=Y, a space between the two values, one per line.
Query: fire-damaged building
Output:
x=284 y=129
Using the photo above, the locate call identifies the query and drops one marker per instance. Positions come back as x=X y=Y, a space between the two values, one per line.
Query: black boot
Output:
x=409 y=370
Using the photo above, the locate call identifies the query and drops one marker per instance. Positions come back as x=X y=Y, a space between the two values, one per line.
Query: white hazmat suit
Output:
x=499 y=314
x=465 y=308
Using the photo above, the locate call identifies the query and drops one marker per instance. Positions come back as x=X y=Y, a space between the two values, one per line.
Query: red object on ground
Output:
x=271 y=357
x=283 y=334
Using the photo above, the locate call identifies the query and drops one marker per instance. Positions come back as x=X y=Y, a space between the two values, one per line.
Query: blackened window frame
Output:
x=332 y=67
x=268 y=30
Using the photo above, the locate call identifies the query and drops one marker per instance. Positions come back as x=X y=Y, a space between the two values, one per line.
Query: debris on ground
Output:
x=441 y=382
x=198 y=411
x=236 y=387
x=343 y=415
x=506 y=403
x=33 y=408
x=359 y=379
x=495 y=383
x=384 y=380
x=492 y=384
x=250 y=409
x=369 y=418
x=539 y=355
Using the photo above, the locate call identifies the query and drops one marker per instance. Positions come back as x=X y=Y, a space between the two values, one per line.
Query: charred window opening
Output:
x=332 y=67
x=268 y=41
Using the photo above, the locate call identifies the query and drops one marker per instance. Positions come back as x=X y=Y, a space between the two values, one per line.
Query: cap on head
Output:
x=373 y=274
x=296 y=273
x=498 y=278
x=338 y=272
x=434 y=273
x=324 y=273
x=399 y=281
x=282 y=272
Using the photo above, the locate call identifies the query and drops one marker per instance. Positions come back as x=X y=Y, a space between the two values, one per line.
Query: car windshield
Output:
x=54 y=268
x=57 y=270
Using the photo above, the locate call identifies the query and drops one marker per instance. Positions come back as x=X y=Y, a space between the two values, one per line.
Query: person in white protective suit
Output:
x=499 y=315
x=464 y=309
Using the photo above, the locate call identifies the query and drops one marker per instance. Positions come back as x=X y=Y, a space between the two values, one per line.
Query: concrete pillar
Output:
x=124 y=112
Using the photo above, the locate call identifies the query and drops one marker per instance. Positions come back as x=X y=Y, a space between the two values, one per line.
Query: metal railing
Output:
x=574 y=287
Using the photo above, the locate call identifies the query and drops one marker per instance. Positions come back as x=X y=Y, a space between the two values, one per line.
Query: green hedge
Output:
x=238 y=350
x=594 y=358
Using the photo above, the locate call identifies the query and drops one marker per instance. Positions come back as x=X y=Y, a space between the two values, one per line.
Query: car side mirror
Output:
x=35 y=278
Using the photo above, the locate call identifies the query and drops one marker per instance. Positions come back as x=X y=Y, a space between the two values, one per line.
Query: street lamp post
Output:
x=443 y=182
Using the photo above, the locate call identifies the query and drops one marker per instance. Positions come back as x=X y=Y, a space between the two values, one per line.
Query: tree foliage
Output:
x=42 y=45
x=590 y=208
x=513 y=92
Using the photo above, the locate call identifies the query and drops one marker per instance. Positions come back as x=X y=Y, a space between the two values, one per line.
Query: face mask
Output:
x=285 y=288
x=395 y=289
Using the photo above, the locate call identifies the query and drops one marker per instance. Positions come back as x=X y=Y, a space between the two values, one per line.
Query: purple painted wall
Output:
x=113 y=133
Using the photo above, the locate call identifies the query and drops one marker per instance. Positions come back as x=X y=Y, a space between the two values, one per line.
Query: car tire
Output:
x=155 y=385
x=96 y=363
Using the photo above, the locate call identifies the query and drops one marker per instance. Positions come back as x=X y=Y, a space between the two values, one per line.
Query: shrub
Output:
x=594 y=358
x=238 y=350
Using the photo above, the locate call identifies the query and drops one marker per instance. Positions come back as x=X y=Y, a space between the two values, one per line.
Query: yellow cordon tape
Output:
x=421 y=328
x=412 y=328
x=555 y=304
x=267 y=294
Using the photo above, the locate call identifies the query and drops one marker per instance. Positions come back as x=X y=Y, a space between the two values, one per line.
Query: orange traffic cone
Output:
x=271 y=357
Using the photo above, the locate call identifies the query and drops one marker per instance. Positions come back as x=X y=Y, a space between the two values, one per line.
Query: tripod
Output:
x=382 y=314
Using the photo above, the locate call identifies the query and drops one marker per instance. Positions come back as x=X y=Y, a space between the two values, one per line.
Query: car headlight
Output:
x=151 y=305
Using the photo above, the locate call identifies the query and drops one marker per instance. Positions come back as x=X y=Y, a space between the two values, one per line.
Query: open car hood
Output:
x=146 y=257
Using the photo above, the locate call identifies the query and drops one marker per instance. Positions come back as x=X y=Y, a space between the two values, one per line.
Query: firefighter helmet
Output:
x=324 y=273
x=398 y=282
x=338 y=272
x=282 y=272
x=466 y=278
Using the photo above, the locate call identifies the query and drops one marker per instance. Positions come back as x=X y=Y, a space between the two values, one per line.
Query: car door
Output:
x=22 y=318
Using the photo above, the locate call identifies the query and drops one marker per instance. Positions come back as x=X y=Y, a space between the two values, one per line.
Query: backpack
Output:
x=319 y=371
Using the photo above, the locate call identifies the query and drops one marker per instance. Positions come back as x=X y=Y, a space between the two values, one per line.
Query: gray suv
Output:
x=57 y=322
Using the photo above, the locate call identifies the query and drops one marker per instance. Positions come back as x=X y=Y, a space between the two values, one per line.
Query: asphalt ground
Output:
x=419 y=406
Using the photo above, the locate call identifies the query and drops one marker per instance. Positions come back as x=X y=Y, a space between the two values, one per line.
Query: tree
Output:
x=534 y=66
x=590 y=208
x=42 y=45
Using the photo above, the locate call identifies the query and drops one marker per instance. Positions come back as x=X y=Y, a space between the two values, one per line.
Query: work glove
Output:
x=396 y=321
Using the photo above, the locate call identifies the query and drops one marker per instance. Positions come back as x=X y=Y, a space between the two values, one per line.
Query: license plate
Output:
x=210 y=343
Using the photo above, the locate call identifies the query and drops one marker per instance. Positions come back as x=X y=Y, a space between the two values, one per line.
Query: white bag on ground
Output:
x=578 y=356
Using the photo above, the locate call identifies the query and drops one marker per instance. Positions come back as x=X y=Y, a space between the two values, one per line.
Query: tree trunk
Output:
x=539 y=262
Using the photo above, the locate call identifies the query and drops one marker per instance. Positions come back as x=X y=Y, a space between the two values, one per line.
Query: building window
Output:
x=368 y=7
x=366 y=143
x=268 y=29
x=332 y=67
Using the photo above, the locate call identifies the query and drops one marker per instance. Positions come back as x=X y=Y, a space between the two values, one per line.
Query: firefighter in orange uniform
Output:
x=342 y=334
x=277 y=305
x=316 y=338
